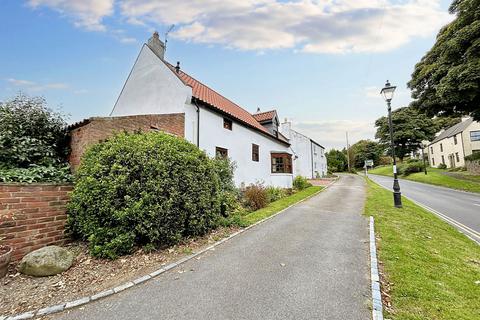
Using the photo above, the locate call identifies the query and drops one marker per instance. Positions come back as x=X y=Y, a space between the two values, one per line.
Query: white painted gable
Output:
x=151 y=88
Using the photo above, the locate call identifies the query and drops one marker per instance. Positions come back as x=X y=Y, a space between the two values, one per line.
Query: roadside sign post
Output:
x=368 y=163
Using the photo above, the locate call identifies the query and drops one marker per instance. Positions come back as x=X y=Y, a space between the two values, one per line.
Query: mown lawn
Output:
x=433 y=270
x=278 y=205
x=435 y=177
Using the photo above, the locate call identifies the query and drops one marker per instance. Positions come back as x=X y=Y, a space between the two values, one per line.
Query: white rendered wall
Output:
x=302 y=147
x=151 y=88
x=238 y=142
x=319 y=161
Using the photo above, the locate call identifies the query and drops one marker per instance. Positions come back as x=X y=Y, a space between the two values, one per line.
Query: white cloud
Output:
x=87 y=14
x=331 y=26
x=332 y=133
x=328 y=26
x=37 y=87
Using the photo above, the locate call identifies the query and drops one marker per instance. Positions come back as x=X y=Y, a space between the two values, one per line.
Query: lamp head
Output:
x=387 y=91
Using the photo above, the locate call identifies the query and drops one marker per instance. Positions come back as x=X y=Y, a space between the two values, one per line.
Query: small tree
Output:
x=31 y=133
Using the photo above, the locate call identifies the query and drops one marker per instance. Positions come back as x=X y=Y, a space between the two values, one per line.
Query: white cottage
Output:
x=212 y=122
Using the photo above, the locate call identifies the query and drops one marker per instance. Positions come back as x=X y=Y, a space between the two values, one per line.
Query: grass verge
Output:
x=432 y=270
x=274 y=207
x=436 y=177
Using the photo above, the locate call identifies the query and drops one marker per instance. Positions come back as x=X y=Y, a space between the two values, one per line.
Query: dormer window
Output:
x=227 y=124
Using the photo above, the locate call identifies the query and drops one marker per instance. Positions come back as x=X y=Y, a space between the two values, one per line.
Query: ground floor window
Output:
x=443 y=159
x=457 y=156
x=433 y=162
x=255 y=152
x=221 y=153
x=281 y=163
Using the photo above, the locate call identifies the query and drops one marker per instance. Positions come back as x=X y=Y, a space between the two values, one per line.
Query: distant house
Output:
x=310 y=160
x=211 y=121
x=451 y=146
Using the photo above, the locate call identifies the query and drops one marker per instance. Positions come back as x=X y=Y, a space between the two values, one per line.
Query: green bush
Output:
x=31 y=134
x=442 y=166
x=275 y=193
x=145 y=189
x=412 y=167
x=36 y=174
x=255 y=196
x=300 y=183
x=473 y=156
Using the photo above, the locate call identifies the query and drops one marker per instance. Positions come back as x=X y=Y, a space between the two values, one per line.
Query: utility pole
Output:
x=348 y=152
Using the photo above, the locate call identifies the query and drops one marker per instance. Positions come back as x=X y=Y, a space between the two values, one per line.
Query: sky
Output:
x=320 y=64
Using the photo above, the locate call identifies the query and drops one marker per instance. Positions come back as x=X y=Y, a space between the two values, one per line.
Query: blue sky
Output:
x=319 y=63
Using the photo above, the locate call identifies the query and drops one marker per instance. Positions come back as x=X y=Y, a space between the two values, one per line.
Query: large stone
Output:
x=46 y=261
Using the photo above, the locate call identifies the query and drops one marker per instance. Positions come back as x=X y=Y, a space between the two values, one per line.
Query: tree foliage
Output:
x=365 y=150
x=31 y=133
x=146 y=189
x=446 y=81
x=336 y=161
x=410 y=128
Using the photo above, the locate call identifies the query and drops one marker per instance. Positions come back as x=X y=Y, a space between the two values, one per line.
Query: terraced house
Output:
x=219 y=126
x=451 y=146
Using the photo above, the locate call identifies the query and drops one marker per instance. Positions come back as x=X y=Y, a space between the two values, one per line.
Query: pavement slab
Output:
x=310 y=262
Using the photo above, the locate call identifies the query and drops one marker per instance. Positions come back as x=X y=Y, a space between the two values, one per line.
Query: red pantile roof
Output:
x=217 y=101
x=264 y=116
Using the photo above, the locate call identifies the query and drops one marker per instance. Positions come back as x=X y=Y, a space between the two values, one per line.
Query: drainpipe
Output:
x=198 y=122
x=311 y=155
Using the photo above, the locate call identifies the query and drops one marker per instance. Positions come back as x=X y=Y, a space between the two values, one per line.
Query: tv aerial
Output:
x=166 y=34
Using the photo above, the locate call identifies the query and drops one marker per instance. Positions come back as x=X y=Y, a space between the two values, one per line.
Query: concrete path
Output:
x=310 y=262
x=459 y=208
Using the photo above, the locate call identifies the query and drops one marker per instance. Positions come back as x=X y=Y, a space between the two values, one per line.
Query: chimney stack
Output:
x=156 y=45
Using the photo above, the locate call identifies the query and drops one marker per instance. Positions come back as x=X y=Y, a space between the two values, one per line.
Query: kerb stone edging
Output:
x=84 y=300
x=377 y=306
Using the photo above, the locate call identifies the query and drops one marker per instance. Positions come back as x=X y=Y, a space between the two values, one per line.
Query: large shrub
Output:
x=31 y=133
x=412 y=167
x=144 y=189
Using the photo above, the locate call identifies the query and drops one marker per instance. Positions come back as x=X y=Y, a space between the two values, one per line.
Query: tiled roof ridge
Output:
x=203 y=84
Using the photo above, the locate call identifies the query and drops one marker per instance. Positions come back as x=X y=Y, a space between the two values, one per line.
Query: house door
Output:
x=452 y=160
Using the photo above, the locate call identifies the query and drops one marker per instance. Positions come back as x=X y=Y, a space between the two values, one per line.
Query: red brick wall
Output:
x=32 y=216
x=98 y=129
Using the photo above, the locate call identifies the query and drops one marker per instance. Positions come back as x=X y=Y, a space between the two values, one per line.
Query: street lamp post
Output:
x=387 y=93
x=423 y=156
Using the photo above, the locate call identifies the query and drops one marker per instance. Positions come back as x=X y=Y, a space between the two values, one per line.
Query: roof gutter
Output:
x=214 y=109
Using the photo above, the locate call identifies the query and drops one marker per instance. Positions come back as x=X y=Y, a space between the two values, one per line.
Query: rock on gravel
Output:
x=46 y=261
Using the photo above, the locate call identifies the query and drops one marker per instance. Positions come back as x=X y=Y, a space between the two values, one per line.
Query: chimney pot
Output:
x=177 y=68
x=258 y=109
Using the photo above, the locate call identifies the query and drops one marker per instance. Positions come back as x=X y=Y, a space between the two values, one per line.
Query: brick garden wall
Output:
x=32 y=216
x=96 y=129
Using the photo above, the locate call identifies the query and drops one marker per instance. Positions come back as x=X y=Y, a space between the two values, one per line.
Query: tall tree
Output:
x=410 y=128
x=366 y=150
x=336 y=160
x=446 y=81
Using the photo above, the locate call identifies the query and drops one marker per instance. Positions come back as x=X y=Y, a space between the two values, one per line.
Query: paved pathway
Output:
x=310 y=262
x=461 y=209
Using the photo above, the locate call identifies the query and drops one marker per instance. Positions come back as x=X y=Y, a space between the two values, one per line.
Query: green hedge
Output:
x=473 y=156
x=36 y=174
x=146 y=189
